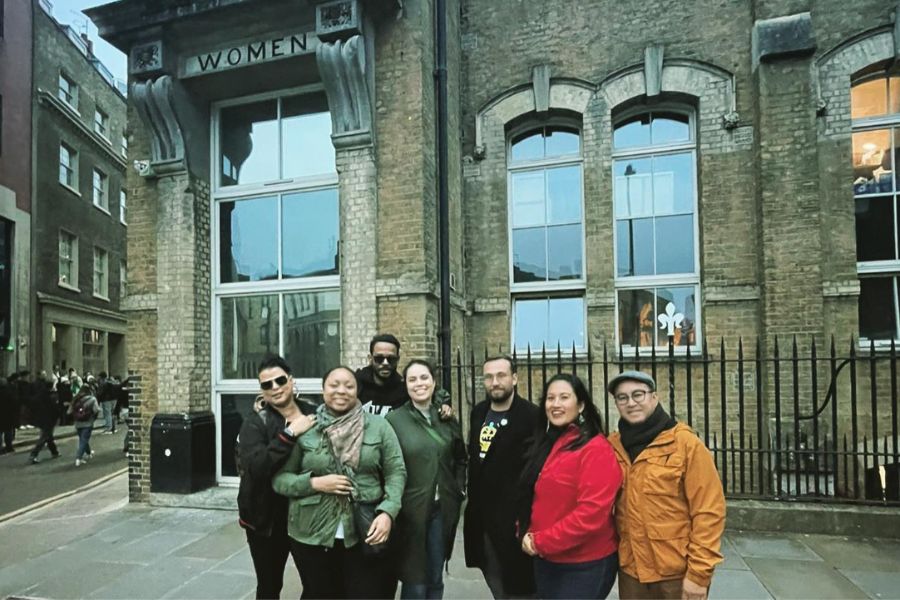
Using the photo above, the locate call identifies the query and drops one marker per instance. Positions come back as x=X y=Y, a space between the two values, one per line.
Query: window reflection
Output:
x=652 y=129
x=875 y=218
x=249 y=143
x=872 y=164
x=528 y=198
x=312 y=336
x=639 y=310
x=564 y=195
x=306 y=136
x=529 y=255
x=547 y=142
x=564 y=252
x=248 y=248
x=548 y=322
x=249 y=327
x=310 y=226
x=878 y=308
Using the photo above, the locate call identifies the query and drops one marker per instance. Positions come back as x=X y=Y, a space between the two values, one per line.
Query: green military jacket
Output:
x=313 y=517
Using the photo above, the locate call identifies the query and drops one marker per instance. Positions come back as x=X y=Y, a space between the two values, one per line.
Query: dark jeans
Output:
x=338 y=572
x=84 y=441
x=493 y=574
x=589 y=580
x=269 y=557
x=433 y=587
x=45 y=439
x=8 y=436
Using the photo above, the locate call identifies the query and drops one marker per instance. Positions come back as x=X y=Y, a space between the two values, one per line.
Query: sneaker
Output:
x=78 y=462
x=35 y=460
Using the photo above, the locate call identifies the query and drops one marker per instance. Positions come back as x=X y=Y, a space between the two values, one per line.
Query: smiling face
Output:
x=561 y=405
x=339 y=391
x=635 y=401
x=280 y=386
x=419 y=384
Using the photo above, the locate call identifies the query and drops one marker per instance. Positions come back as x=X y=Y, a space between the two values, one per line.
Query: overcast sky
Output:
x=69 y=13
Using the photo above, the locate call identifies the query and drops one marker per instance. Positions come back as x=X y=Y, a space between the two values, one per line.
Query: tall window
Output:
x=68 y=260
x=123 y=280
x=123 y=146
x=655 y=199
x=101 y=123
x=67 y=91
x=101 y=189
x=101 y=272
x=68 y=166
x=93 y=350
x=546 y=238
x=875 y=110
x=123 y=205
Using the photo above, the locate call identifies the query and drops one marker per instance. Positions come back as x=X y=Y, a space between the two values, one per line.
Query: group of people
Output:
x=367 y=489
x=59 y=398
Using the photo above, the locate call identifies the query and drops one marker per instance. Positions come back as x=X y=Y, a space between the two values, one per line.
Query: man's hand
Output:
x=692 y=591
x=528 y=545
x=332 y=484
x=302 y=424
x=446 y=412
x=380 y=529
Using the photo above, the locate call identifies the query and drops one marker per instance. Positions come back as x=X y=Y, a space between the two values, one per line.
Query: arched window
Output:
x=655 y=205
x=546 y=237
x=875 y=112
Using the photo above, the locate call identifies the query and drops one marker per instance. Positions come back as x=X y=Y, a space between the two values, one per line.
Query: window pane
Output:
x=668 y=128
x=675 y=244
x=877 y=308
x=249 y=143
x=634 y=247
x=562 y=141
x=636 y=318
x=633 y=188
x=530 y=323
x=249 y=331
x=564 y=195
x=249 y=246
x=872 y=162
x=529 y=255
x=234 y=409
x=528 y=146
x=564 y=252
x=684 y=301
x=528 y=199
x=875 y=228
x=310 y=231
x=565 y=325
x=894 y=95
x=673 y=183
x=868 y=99
x=306 y=136
x=632 y=133
x=312 y=329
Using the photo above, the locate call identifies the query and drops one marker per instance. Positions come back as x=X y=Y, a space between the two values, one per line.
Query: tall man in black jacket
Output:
x=266 y=439
x=500 y=430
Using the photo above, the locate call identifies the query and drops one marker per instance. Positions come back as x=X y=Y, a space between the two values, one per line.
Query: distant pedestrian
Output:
x=9 y=415
x=85 y=409
x=44 y=415
x=106 y=395
x=64 y=399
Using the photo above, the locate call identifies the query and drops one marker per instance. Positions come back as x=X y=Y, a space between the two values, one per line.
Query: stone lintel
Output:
x=730 y=293
x=783 y=37
x=653 y=67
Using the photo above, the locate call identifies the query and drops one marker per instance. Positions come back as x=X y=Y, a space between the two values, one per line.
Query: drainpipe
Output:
x=440 y=82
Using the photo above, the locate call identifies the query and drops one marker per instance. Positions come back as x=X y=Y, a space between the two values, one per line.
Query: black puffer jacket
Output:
x=263 y=450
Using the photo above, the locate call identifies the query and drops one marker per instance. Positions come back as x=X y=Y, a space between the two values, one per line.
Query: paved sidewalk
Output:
x=96 y=545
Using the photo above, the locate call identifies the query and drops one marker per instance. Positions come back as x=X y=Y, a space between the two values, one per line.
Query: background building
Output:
x=732 y=160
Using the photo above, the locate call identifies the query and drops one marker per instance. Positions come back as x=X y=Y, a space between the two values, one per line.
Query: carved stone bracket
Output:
x=540 y=84
x=342 y=65
x=653 y=68
x=155 y=103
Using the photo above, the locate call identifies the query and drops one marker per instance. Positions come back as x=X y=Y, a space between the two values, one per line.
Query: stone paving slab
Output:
x=803 y=579
x=877 y=584
x=732 y=584
x=771 y=545
x=857 y=554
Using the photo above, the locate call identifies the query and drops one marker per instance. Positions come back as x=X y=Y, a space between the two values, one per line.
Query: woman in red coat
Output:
x=570 y=485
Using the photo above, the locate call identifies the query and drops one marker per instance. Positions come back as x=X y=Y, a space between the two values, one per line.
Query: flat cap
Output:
x=630 y=376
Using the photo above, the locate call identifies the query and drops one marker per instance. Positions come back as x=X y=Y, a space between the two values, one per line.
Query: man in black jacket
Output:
x=44 y=416
x=266 y=439
x=499 y=434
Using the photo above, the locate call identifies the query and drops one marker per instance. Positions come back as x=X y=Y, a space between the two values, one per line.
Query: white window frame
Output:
x=103 y=271
x=72 y=240
x=123 y=205
x=71 y=168
x=101 y=124
x=532 y=290
x=100 y=196
x=123 y=146
x=278 y=287
x=646 y=282
x=123 y=280
x=67 y=93
x=883 y=268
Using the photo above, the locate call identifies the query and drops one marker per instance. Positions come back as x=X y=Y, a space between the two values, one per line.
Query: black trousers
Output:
x=339 y=572
x=269 y=558
x=45 y=439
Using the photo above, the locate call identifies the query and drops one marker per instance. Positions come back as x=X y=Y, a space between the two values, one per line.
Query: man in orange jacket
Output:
x=670 y=513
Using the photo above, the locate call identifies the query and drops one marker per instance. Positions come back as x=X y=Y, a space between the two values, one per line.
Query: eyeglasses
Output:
x=385 y=358
x=638 y=396
x=277 y=382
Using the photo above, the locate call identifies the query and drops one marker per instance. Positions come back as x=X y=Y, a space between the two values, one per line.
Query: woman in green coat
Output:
x=435 y=457
x=349 y=456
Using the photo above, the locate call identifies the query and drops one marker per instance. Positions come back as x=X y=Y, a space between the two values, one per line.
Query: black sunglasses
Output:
x=380 y=358
x=278 y=382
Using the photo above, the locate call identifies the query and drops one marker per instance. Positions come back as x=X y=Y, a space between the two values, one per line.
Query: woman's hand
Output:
x=380 y=529
x=302 y=424
x=528 y=545
x=332 y=484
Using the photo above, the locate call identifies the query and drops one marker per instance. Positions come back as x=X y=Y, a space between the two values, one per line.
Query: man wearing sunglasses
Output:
x=671 y=511
x=381 y=388
x=265 y=441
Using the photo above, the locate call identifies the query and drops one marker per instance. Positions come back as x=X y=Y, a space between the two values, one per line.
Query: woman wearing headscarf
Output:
x=568 y=491
x=349 y=460
x=435 y=456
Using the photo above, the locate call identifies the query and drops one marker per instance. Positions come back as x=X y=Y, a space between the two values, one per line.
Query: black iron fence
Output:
x=783 y=423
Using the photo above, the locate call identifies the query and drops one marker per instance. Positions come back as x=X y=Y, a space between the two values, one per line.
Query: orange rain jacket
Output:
x=670 y=512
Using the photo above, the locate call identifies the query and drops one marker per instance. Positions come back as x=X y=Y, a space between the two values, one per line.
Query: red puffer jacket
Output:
x=571 y=516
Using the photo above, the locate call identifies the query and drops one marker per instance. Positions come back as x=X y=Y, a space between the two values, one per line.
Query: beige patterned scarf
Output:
x=345 y=433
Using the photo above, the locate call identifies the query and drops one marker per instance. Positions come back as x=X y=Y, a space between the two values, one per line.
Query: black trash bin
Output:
x=182 y=452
